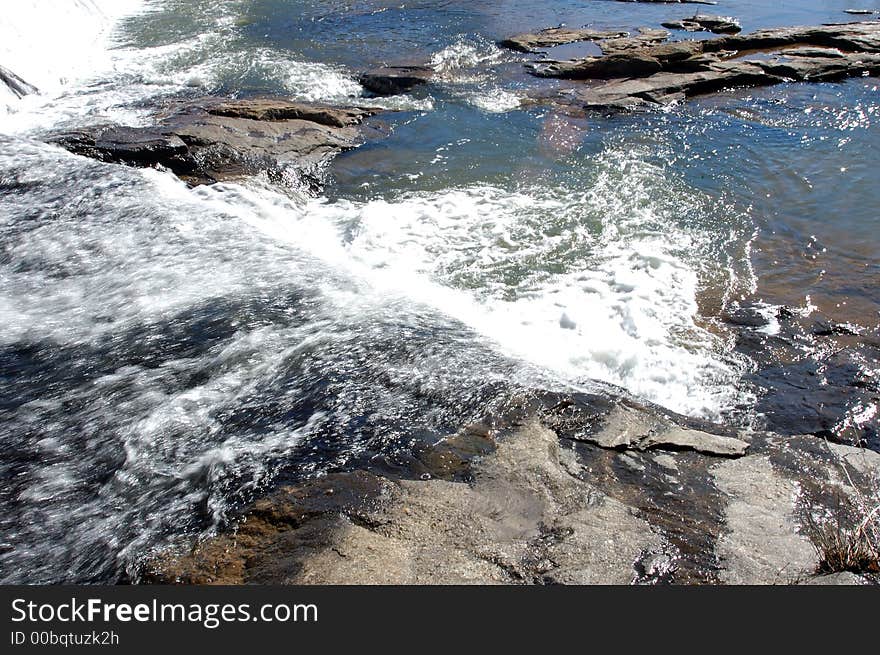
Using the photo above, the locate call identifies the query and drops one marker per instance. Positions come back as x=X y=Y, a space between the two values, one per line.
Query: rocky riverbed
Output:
x=560 y=489
x=577 y=490
x=322 y=418
x=638 y=72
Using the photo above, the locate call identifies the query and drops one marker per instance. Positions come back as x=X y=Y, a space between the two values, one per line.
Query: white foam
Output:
x=53 y=44
x=466 y=59
x=63 y=48
x=467 y=68
x=629 y=309
x=595 y=285
x=494 y=100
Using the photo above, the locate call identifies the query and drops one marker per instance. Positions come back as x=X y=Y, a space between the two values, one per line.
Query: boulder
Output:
x=215 y=140
x=394 y=80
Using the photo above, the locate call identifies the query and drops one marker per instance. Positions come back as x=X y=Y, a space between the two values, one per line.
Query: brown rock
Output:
x=555 y=36
x=275 y=109
x=666 y=72
x=607 y=67
x=215 y=140
x=647 y=36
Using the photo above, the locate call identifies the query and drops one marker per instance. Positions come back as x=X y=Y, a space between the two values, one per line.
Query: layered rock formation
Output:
x=637 y=72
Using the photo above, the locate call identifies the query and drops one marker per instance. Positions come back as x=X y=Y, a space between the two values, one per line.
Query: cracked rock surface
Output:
x=538 y=507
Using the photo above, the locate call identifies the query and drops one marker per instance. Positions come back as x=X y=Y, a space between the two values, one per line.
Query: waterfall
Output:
x=47 y=44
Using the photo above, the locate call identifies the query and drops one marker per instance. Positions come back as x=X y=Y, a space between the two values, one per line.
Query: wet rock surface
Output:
x=525 y=518
x=539 y=507
x=703 y=23
x=215 y=140
x=15 y=84
x=812 y=375
x=394 y=80
x=555 y=36
x=640 y=72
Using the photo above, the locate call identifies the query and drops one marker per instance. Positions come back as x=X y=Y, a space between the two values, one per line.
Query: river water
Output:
x=167 y=353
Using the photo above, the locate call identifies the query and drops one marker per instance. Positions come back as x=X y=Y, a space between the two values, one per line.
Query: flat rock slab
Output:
x=275 y=109
x=524 y=519
x=632 y=429
x=555 y=36
x=394 y=80
x=762 y=544
x=541 y=509
x=215 y=140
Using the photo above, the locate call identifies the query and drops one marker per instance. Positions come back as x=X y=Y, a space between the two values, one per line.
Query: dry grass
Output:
x=846 y=545
x=849 y=539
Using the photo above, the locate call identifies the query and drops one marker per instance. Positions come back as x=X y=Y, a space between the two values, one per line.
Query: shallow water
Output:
x=166 y=353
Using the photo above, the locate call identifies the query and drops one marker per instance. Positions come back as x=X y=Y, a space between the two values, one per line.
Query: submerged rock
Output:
x=394 y=80
x=812 y=375
x=703 y=23
x=215 y=140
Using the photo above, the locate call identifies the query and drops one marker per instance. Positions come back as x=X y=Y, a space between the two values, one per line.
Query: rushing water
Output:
x=166 y=352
